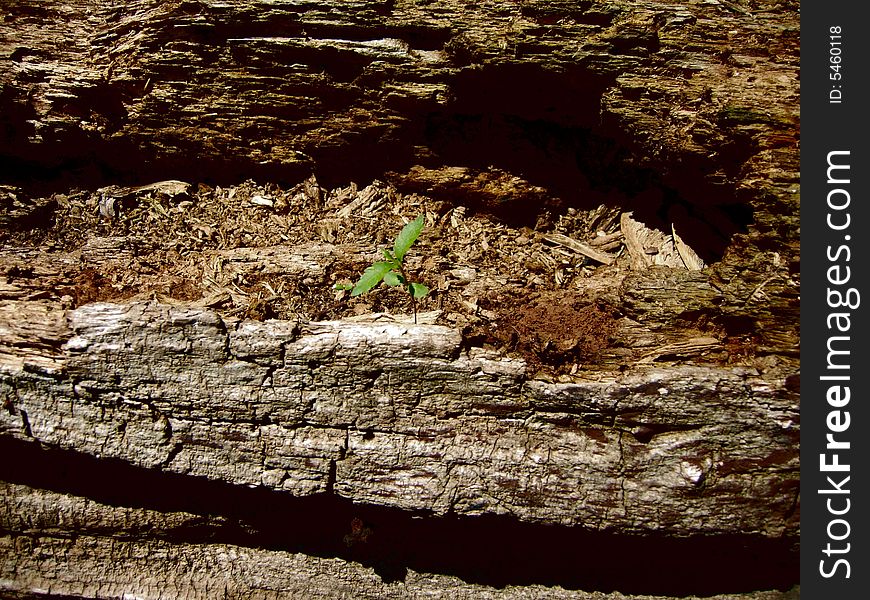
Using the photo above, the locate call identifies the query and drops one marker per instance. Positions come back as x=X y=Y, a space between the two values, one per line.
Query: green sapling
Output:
x=391 y=270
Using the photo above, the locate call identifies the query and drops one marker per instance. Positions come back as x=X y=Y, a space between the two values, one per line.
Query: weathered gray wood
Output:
x=407 y=418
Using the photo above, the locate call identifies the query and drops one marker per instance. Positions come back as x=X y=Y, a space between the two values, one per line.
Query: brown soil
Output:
x=503 y=285
x=548 y=328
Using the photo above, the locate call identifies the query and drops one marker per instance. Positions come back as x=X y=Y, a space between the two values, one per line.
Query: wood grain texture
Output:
x=404 y=417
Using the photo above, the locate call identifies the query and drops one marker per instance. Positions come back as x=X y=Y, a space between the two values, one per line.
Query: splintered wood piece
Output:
x=683 y=349
x=636 y=252
x=692 y=261
x=579 y=247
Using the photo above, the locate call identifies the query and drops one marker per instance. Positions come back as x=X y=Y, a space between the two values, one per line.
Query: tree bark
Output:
x=182 y=450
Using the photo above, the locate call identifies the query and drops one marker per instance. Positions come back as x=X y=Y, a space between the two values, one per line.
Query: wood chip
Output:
x=579 y=247
x=683 y=349
x=636 y=252
x=369 y=201
x=607 y=239
x=692 y=261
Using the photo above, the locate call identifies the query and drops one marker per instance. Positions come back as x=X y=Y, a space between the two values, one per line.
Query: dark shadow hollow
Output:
x=488 y=550
x=548 y=131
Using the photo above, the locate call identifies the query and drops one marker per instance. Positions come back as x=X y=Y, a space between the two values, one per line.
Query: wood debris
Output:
x=647 y=247
x=690 y=259
x=580 y=247
x=684 y=349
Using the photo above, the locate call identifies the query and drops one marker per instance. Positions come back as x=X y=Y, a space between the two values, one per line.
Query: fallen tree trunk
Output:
x=402 y=421
x=398 y=415
x=172 y=440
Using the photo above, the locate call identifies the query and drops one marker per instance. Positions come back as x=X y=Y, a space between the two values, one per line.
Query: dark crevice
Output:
x=25 y=423
x=547 y=131
x=331 y=477
x=579 y=168
x=554 y=12
x=489 y=550
x=118 y=163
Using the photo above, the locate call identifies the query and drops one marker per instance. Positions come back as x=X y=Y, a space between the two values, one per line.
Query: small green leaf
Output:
x=407 y=237
x=371 y=277
x=343 y=286
x=390 y=258
x=393 y=279
x=418 y=290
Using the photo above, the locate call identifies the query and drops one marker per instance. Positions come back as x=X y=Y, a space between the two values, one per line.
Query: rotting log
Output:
x=399 y=415
x=696 y=100
x=151 y=565
x=160 y=450
x=401 y=418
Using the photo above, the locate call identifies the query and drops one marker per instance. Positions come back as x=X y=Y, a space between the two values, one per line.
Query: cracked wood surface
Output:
x=400 y=415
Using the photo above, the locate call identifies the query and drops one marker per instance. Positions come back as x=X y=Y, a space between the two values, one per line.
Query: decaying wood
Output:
x=657 y=298
x=580 y=247
x=402 y=417
x=515 y=109
x=153 y=566
x=690 y=258
x=392 y=415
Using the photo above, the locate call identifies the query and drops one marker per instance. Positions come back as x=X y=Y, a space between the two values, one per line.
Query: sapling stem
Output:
x=391 y=270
